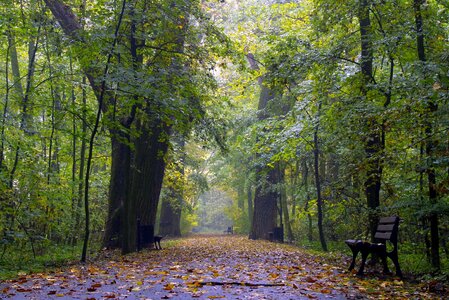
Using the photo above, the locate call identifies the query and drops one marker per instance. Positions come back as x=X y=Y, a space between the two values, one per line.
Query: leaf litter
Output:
x=212 y=267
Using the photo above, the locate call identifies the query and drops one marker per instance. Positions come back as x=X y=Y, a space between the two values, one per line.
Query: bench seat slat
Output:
x=384 y=228
x=352 y=242
x=388 y=220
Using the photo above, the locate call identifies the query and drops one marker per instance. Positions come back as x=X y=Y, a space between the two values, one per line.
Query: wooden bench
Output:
x=277 y=235
x=146 y=238
x=230 y=230
x=387 y=230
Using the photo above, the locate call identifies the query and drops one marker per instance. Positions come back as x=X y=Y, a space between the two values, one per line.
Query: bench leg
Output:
x=383 y=257
x=365 y=253
x=355 y=252
x=395 y=259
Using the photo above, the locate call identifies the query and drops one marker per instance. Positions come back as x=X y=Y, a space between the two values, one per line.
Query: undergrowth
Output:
x=17 y=262
x=413 y=264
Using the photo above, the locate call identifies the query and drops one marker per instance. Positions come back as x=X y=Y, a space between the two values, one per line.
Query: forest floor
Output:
x=214 y=267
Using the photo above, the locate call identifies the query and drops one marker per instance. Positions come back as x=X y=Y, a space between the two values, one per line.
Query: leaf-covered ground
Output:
x=213 y=267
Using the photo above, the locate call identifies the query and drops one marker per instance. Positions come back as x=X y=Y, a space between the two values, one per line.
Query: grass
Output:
x=18 y=262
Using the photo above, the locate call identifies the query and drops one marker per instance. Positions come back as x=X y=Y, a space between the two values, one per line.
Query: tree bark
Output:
x=147 y=175
x=264 y=217
x=118 y=188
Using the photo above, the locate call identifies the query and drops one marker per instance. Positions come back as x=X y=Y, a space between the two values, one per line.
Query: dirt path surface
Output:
x=210 y=267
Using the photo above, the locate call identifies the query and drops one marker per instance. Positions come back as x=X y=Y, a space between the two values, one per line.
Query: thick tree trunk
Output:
x=147 y=176
x=170 y=221
x=373 y=141
x=373 y=174
x=155 y=139
x=171 y=210
x=264 y=218
x=118 y=188
x=265 y=196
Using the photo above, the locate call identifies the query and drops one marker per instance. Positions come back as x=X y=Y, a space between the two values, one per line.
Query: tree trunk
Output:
x=120 y=152
x=265 y=198
x=81 y=167
x=72 y=239
x=305 y=178
x=118 y=187
x=241 y=196
x=5 y=112
x=284 y=205
x=316 y=153
x=170 y=221
x=53 y=165
x=264 y=217
x=430 y=146
x=373 y=142
x=25 y=121
x=249 y=197
x=147 y=176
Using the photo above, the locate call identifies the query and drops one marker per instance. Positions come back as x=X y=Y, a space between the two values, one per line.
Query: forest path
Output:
x=210 y=267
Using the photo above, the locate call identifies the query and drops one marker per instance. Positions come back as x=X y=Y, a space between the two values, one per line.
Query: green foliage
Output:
x=20 y=261
x=309 y=55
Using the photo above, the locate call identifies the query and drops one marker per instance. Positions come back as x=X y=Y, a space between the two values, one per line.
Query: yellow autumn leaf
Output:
x=169 y=286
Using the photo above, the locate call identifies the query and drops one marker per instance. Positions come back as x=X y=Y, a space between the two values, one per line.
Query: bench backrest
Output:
x=387 y=229
x=145 y=235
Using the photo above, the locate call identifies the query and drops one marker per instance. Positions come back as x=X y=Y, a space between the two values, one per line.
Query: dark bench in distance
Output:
x=387 y=230
x=230 y=230
x=277 y=235
x=146 y=238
